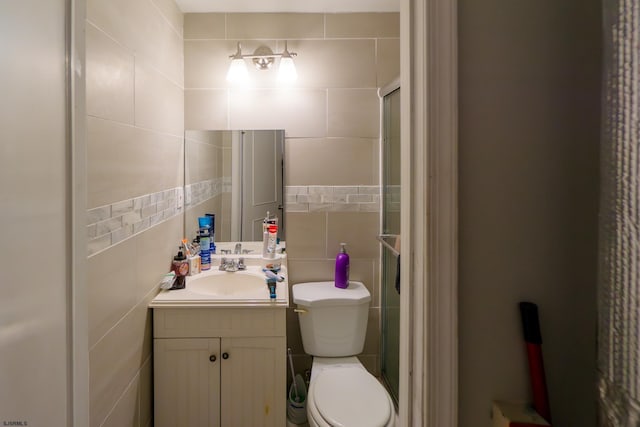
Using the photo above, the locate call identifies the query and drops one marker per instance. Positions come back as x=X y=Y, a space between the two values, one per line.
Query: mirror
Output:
x=238 y=175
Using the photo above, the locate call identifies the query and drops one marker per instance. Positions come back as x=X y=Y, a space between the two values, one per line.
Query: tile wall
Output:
x=331 y=117
x=135 y=125
x=207 y=182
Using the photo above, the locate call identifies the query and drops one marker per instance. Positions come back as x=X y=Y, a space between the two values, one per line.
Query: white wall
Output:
x=528 y=160
x=33 y=218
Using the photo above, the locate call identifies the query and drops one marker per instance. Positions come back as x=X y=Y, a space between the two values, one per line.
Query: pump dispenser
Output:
x=342 y=268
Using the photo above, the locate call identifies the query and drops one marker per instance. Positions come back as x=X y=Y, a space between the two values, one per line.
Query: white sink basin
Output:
x=238 y=284
x=220 y=288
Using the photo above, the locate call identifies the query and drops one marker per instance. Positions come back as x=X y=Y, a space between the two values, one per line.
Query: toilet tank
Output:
x=333 y=321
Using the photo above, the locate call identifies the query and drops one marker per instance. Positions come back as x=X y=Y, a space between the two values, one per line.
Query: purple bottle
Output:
x=342 y=268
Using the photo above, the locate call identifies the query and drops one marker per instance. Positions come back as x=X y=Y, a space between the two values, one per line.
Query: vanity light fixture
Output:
x=263 y=58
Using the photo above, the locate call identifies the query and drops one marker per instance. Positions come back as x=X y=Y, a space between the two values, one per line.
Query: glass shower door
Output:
x=390 y=304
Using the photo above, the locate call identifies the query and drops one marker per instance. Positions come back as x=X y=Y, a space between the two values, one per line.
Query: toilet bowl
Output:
x=342 y=393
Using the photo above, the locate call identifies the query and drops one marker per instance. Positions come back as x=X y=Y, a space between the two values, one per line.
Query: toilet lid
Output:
x=351 y=397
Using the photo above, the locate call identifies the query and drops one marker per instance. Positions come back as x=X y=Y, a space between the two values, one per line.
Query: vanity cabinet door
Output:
x=254 y=382
x=186 y=382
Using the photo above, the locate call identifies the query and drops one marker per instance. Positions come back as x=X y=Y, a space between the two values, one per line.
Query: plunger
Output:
x=533 y=340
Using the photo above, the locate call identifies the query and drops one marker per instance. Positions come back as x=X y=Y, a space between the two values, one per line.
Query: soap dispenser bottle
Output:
x=180 y=266
x=342 y=268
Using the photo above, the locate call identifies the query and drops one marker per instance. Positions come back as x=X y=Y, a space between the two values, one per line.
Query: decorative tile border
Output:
x=110 y=224
x=328 y=198
x=393 y=198
x=199 y=192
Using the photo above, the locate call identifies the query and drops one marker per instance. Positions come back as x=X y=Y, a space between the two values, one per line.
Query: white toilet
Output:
x=333 y=323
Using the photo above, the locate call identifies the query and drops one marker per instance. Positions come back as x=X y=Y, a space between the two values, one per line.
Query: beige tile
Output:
x=172 y=13
x=116 y=360
x=224 y=232
x=106 y=143
x=300 y=112
x=331 y=161
x=225 y=168
x=342 y=25
x=125 y=162
x=301 y=364
x=159 y=102
x=334 y=63
x=353 y=112
x=108 y=17
x=371 y=363
x=146 y=392
x=358 y=230
x=192 y=214
x=306 y=235
x=362 y=270
x=206 y=63
x=203 y=160
x=372 y=340
x=204 y=26
x=126 y=412
x=387 y=61
x=155 y=248
x=294 y=339
x=163 y=167
x=205 y=109
x=165 y=51
x=310 y=270
x=216 y=138
x=110 y=77
x=111 y=280
x=274 y=25
x=142 y=30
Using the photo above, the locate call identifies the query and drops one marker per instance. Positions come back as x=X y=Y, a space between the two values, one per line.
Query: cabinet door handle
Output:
x=225 y=356
x=212 y=358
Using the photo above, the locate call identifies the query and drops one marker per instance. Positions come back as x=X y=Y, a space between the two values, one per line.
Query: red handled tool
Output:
x=533 y=340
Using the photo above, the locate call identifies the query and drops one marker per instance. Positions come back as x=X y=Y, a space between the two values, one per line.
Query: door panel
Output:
x=187 y=382
x=262 y=157
x=254 y=370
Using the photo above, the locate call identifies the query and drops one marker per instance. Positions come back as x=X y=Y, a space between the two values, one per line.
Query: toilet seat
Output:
x=349 y=397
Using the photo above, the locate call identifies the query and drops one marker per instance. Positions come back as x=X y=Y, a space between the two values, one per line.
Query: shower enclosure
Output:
x=390 y=239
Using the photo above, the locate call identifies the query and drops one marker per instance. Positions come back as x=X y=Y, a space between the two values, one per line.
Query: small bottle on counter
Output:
x=205 y=249
x=180 y=266
x=194 y=265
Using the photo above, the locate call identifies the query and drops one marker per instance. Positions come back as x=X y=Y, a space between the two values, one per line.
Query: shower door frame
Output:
x=429 y=129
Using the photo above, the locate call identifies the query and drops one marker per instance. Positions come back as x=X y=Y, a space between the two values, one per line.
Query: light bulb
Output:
x=238 y=72
x=287 y=72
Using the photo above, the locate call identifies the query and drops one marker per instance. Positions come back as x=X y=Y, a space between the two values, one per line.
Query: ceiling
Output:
x=301 y=6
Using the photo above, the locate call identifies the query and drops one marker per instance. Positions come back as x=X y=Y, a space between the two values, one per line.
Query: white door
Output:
x=261 y=180
x=254 y=382
x=186 y=382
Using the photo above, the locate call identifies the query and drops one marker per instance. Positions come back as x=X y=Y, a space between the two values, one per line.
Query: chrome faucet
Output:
x=232 y=265
x=238 y=248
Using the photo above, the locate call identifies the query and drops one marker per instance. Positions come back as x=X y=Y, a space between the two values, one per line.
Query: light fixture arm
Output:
x=258 y=53
x=263 y=58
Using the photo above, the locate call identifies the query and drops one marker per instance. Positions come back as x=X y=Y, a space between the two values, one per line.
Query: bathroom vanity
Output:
x=220 y=350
